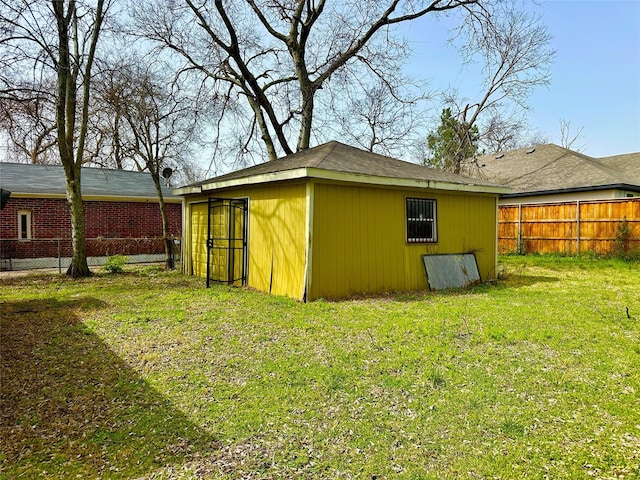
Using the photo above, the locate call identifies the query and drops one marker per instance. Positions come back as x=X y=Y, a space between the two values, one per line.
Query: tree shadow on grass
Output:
x=70 y=407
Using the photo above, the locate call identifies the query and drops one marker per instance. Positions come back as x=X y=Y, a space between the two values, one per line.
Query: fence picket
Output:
x=569 y=227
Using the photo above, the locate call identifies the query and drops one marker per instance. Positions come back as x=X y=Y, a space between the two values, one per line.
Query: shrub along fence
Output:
x=56 y=252
x=598 y=226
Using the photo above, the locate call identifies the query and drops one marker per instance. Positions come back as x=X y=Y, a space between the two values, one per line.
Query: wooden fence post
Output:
x=578 y=227
x=520 y=242
x=599 y=222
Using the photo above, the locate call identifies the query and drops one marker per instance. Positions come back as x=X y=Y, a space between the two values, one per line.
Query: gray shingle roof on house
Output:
x=23 y=178
x=628 y=163
x=345 y=159
x=550 y=168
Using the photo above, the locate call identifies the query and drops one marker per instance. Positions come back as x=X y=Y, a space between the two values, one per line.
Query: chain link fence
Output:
x=56 y=252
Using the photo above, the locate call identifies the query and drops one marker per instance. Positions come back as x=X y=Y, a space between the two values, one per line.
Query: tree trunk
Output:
x=65 y=126
x=71 y=158
x=168 y=239
x=306 y=119
x=78 y=267
x=166 y=234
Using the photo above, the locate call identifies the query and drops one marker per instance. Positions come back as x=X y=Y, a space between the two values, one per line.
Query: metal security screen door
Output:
x=227 y=241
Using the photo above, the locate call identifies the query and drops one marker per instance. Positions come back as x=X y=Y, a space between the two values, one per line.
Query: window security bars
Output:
x=421 y=221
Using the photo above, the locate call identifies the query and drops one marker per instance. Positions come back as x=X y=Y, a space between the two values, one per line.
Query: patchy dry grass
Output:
x=149 y=375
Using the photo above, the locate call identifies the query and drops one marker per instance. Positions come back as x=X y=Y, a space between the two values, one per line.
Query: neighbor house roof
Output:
x=26 y=179
x=552 y=169
x=628 y=163
x=336 y=161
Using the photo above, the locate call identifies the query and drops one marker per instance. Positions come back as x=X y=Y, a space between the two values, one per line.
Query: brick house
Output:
x=121 y=211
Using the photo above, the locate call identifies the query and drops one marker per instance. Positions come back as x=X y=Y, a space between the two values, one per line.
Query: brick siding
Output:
x=104 y=220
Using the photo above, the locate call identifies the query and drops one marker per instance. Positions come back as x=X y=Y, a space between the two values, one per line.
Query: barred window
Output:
x=421 y=221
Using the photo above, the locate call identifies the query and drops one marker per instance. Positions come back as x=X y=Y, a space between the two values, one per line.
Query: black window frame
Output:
x=421 y=215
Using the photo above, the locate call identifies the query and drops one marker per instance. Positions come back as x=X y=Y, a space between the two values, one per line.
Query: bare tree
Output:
x=512 y=47
x=27 y=86
x=501 y=133
x=73 y=67
x=153 y=123
x=57 y=37
x=569 y=139
x=29 y=122
x=379 y=117
x=273 y=61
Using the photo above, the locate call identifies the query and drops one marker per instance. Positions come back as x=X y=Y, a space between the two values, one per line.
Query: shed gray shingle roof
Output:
x=23 y=178
x=550 y=168
x=341 y=158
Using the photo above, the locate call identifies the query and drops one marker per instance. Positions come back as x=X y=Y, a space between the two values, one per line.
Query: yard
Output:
x=147 y=374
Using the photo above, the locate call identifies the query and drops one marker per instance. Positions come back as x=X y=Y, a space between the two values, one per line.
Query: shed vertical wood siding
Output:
x=276 y=237
x=359 y=238
x=196 y=239
x=277 y=216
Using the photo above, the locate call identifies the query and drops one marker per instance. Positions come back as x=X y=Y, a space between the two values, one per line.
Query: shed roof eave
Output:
x=323 y=174
x=293 y=174
x=407 y=182
x=188 y=190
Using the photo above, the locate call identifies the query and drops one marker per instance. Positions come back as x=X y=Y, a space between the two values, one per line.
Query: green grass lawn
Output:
x=150 y=375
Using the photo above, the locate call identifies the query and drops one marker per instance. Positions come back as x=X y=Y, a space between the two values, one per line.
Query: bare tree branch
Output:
x=513 y=48
x=277 y=55
x=567 y=139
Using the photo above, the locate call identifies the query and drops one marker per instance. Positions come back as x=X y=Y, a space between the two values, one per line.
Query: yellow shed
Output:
x=335 y=221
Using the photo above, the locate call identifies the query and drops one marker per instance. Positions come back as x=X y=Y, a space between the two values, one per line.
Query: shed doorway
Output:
x=227 y=241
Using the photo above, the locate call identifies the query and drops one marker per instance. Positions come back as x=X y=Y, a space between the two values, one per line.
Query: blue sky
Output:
x=595 y=83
